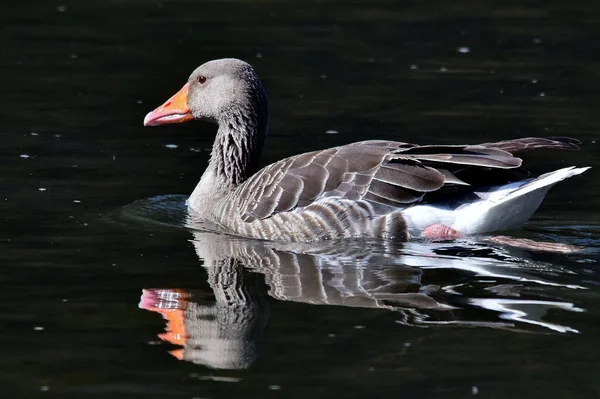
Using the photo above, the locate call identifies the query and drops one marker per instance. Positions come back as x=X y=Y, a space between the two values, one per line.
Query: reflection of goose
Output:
x=371 y=188
x=486 y=286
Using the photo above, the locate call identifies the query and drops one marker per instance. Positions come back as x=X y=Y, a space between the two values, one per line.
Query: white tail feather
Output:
x=501 y=208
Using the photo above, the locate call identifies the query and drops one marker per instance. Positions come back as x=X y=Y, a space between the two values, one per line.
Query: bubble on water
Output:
x=171 y=146
x=42 y=189
x=463 y=50
x=443 y=69
x=62 y=8
x=24 y=156
x=414 y=67
x=331 y=131
x=38 y=328
x=274 y=387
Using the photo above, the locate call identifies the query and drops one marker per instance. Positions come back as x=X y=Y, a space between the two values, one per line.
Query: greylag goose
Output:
x=375 y=188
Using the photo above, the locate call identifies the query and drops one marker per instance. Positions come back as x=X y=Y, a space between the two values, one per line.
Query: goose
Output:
x=369 y=189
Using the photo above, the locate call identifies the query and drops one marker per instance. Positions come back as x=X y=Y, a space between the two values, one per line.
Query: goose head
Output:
x=216 y=91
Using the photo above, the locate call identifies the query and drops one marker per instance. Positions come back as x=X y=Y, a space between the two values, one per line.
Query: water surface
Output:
x=101 y=275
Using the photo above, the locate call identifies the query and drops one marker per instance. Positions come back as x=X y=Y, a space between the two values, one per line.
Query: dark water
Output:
x=93 y=243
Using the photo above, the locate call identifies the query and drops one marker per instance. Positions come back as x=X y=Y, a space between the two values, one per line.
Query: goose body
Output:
x=371 y=188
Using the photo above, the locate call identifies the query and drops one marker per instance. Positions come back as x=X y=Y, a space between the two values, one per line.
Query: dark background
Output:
x=77 y=78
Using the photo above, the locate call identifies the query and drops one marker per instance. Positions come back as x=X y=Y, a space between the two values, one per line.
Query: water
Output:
x=94 y=242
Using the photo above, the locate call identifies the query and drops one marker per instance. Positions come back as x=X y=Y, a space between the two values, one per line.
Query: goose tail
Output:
x=510 y=206
x=504 y=207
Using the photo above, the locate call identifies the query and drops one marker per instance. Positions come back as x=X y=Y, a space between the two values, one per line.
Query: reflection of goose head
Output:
x=219 y=335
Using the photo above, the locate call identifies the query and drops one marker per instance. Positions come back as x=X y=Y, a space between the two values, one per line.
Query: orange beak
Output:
x=175 y=110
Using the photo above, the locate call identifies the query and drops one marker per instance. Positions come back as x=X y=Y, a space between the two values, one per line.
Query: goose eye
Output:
x=201 y=79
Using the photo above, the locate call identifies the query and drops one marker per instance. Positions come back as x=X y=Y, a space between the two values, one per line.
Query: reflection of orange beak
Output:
x=175 y=110
x=171 y=305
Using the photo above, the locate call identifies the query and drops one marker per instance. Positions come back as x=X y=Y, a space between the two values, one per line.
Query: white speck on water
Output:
x=195 y=149
x=474 y=390
x=114 y=157
x=274 y=387
x=501 y=91
x=58 y=135
x=542 y=94
x=25 y=156
x=593 y=141
x=323 y=76
x=42 y=189
x=65 y=300
x=371 y=60
x=74 y=166
x=171 y=146
x=73 y=56
x=44 y=388
x=38 y=328
x=259 y=55
x=443 y=69
x=331 y=131
x=414 y=67
x=77 y=201
x=34 y=134
x=371 y=369
x=536 y=40
x=359 y=327
x=61 y=8
x=139 y=102
x=331 y=335
x=85 y=224
x=534 y=81
x=463 y=50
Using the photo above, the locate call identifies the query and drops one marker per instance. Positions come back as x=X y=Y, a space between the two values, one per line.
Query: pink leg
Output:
x=440 y=232
x=535 y=245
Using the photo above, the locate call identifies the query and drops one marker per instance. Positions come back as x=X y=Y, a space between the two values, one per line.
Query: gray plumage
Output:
x=356 y=190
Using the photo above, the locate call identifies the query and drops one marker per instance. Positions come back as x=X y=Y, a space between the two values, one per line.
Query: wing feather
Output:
x=381 y=172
